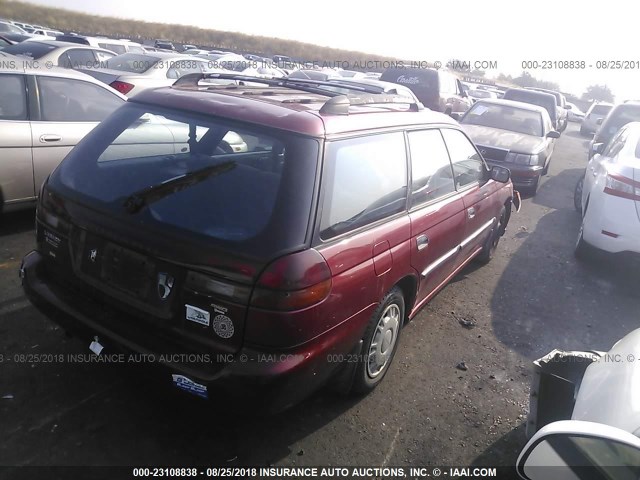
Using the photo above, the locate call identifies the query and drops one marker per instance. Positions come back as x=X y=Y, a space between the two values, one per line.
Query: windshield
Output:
x=8 y=28
x=194 y=175
x=619 y=118
x=505 y=117
x=601 y=109
x=33 y=50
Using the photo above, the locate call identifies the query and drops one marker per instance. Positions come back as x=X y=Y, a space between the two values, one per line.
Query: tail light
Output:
x=621 y=186
x=122 y=87
x=293 y=282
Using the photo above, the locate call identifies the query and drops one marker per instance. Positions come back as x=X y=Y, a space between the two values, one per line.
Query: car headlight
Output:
x=522 y=158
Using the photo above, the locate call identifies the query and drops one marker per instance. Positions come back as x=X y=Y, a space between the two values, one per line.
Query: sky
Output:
x=506 y=32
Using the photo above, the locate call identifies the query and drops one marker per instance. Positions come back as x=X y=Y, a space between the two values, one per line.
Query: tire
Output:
x=491 y=245
x=380 y=342
x=577 y=195
x=545 y=170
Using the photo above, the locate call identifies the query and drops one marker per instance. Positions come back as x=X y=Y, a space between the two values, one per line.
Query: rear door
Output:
x=437 y=212
x=16 y=168
x=68 y=109
x=480 y=202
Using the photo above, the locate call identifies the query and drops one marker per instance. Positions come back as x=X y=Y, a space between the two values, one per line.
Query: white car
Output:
x=611 y=195
x=574 y=114
x=584 y=420
x=594 y=116
x=131 y=73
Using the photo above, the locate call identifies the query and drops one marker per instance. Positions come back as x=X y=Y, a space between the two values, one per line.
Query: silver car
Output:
x=596 y=113
x=132 y=73
x=50 y=53
x=44 y=113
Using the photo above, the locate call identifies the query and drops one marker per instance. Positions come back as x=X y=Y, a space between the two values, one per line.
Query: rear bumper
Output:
x=276 y=379
x=614 y=215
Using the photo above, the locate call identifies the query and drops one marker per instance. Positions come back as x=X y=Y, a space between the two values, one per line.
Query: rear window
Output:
x=133 y=62
x=33 y=50
x=618 y=118
x=505 y=117
x=422 y=79
x=540 y=99
x=119 y=49
x=236 y=185
x=601 y=109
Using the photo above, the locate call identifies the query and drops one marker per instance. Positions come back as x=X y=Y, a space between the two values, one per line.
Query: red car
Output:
x=265 y=237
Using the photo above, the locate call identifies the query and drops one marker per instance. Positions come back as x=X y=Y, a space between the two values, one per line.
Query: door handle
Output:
x=422 y=242
x=471 y=212
x=48 y=138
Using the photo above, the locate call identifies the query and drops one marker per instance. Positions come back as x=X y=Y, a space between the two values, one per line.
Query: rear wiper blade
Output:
x=135 y=202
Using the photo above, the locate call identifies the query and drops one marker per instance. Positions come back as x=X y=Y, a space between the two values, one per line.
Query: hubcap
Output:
x=383 y=341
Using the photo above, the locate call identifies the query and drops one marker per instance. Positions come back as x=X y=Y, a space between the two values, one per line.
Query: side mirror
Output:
x=553 y=134
x=500 y=174
x=599 y=121
x=597 y=148
x=572 y=446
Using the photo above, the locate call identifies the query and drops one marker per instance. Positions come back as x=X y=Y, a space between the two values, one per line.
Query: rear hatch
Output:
x=165 y=220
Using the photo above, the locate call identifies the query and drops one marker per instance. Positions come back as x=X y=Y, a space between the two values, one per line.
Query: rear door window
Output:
x=365 y=181
x=77 y=58
x=431 y=172
x=71 y=100
x=13 y=98
x=468 y=166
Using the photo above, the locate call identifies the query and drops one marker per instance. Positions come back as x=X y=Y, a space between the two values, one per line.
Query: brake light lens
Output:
x=620 y=186
x=122 y=87
x=293 y=282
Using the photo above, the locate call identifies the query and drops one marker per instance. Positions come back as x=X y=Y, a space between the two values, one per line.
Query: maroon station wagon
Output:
x=261 y=238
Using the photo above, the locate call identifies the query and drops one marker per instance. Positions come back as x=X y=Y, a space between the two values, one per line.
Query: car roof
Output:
x=286 y=108
x=532 y=92
x=61 y=44
x=513 y=103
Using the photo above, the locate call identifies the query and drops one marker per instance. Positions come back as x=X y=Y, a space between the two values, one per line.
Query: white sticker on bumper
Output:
x=195 y=314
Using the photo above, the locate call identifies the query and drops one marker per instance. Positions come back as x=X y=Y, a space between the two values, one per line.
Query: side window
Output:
x=468 y=166
x=70 y=100
x=365 y=180
x=431 y=172
x=13 y=98
x=77 y=58
x=103 y=56
x=616 y=144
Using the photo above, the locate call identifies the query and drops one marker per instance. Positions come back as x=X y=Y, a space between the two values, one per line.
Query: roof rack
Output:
x=338 y=104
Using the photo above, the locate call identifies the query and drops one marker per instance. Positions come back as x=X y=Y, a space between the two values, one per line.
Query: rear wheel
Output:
x=491 y=245
x=380 y=342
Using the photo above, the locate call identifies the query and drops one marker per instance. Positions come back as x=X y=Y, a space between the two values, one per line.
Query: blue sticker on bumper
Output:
x=188 y=385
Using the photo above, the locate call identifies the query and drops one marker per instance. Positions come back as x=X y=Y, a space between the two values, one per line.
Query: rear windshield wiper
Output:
x=135 y=202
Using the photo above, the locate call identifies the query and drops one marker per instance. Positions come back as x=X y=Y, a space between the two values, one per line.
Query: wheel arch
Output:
x=408 y=285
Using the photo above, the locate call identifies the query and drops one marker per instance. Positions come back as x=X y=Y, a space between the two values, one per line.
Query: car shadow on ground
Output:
x=504 y=451
x=16 y=222
x=547 y=299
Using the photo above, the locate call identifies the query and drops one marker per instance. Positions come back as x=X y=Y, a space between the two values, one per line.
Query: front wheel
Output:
x=577 y=195
x=380 y=342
